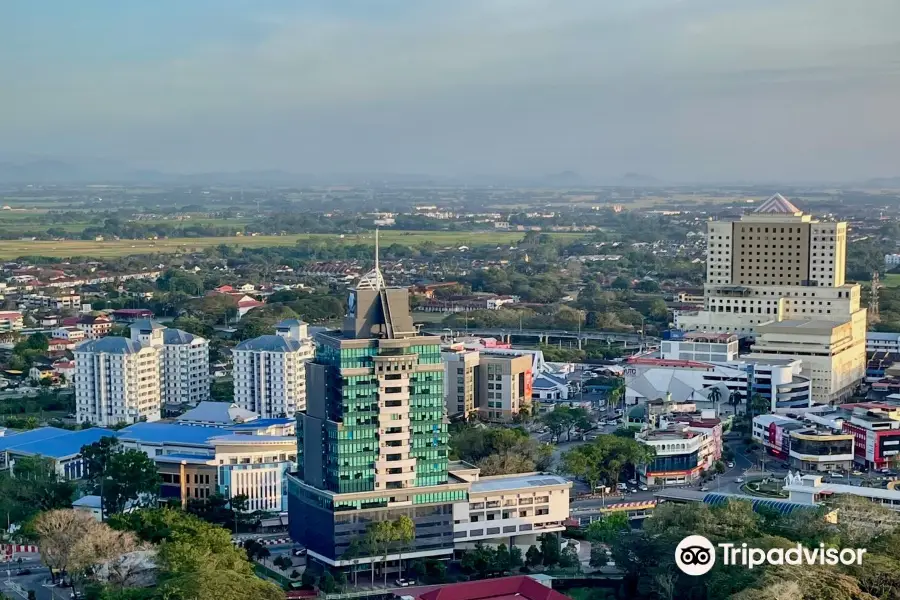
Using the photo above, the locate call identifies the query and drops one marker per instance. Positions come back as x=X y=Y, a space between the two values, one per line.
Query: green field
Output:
x=110 y=249
x=890 y=280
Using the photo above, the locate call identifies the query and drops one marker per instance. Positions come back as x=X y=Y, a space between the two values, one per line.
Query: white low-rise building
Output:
x=512 y=509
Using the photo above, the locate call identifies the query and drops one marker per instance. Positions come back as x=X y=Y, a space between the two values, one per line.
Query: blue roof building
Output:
x=61 y=445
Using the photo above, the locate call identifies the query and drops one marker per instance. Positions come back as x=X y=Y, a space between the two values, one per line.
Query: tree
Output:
x=550 y=549
x=120 y=476
x=758 y=405
x=533 y=557
x=404 y=535
x=34 y=486
x=197 y=560
x=620 y=283
x=73 y=541
x=568 y=559
x=608 y=528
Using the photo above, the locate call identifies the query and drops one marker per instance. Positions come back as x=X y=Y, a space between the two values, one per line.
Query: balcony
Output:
x=382 y=464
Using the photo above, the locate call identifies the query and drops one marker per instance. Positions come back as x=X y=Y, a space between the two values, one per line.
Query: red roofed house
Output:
x=11 y=321
x=246 y=304
x=60 y=345
x=94 y=327
x=520 y=587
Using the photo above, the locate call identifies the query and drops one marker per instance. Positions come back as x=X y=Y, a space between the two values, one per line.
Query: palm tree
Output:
x=734 y=399
x=758 y=405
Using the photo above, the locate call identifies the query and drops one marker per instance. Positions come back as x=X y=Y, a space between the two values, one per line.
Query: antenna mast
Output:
x=874 y=316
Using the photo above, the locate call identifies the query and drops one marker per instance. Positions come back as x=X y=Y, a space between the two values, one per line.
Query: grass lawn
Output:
x=890 y=279
x=10 y=249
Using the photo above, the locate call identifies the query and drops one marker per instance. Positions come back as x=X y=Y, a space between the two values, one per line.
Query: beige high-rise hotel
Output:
x=778 y=275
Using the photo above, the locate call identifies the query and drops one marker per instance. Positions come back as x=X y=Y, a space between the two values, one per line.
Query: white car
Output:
x=644 y=488
x=739 y=480
x=730 y=465
x=836 y=475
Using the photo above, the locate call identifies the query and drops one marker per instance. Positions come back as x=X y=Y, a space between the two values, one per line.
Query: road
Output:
x=17 y=586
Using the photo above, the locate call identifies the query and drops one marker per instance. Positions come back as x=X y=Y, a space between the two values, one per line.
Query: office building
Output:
x=876 y=434
x=493 y=387
x=117 y=380
x=269 y=371
x=460 y=388
x=817 y=449
x=833 y=355
x=505 y=385
x=509 y=507
x=681 y=455
x=372 y=444
x=61 y=447
x=196 y=462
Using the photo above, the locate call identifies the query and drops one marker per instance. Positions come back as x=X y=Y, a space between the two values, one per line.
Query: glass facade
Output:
x=674 y=462
x=352 y=439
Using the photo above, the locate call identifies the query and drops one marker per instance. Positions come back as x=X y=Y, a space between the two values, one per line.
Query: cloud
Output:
x=602 y=86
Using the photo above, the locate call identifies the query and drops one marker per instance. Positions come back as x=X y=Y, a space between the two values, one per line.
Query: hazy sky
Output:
x=678 y=89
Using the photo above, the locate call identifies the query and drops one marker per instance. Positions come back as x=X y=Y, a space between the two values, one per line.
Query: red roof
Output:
x=10 y=315
x=519 y=587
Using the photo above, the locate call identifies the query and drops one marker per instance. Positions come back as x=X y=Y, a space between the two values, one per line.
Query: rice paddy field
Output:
x=10 y=249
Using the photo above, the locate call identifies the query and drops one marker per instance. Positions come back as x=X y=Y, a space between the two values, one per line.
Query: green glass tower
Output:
x=372 y=443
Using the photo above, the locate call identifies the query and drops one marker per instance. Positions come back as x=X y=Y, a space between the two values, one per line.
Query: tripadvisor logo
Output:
x=696 y=555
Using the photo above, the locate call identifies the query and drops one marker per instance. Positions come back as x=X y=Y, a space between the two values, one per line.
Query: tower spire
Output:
x=377 y=270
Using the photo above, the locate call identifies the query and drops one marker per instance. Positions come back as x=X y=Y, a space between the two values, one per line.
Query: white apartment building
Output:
x=70 y=334
x=891 y=260
x=877 y=341
x=184 y=361
x=116 y=381
x=58 y=302
x=270 y=371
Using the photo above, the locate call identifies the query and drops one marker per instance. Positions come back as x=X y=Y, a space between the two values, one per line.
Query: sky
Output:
x=681 y=90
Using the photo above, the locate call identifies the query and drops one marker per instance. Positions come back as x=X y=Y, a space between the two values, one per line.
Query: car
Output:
x=299 y=552
x=644 y=488
x=730 y=465
x=836 y=475
x=404 y=582
x=704 y=488
x=857 y=473
x=621 y=487
x=739 y=480
x=632 y=481
x=633 y=490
